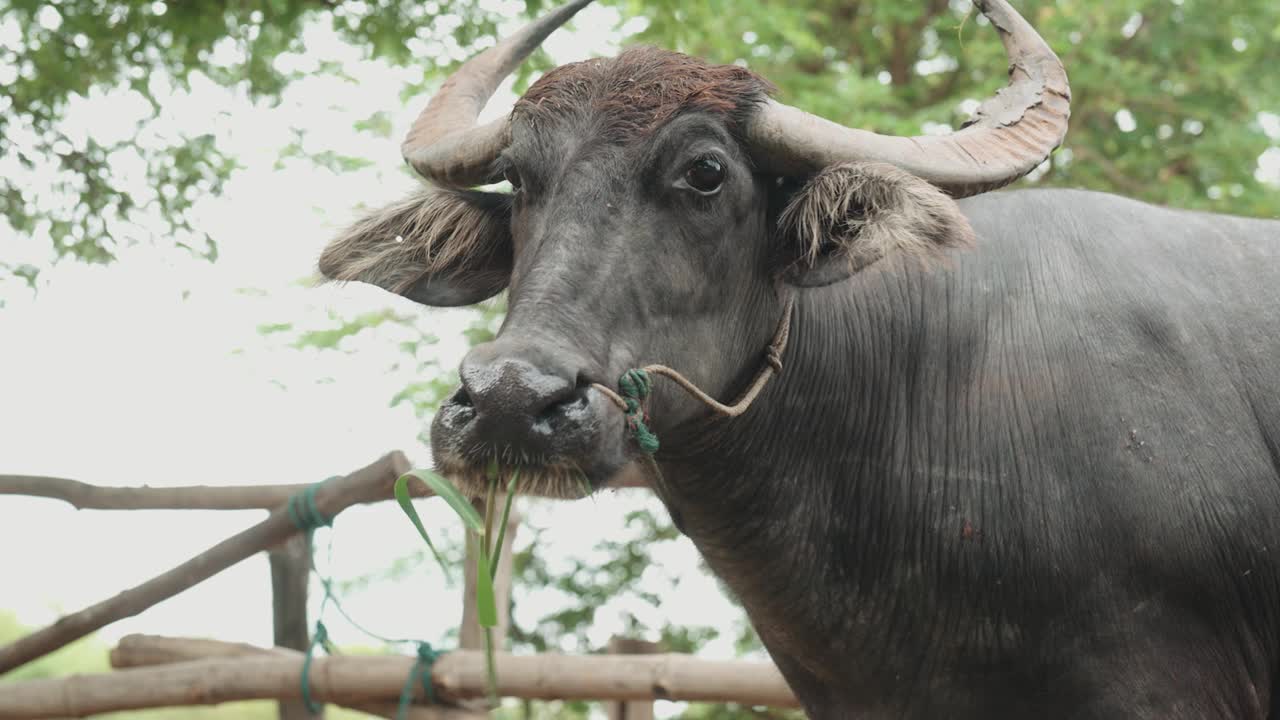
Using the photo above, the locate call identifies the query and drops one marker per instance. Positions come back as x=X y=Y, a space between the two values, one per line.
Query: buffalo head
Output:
x=658 y=205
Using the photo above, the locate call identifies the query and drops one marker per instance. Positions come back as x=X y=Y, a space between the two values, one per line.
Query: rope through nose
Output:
x=636 y=384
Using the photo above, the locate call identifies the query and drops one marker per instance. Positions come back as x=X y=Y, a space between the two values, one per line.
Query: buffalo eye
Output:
x=705 y=175
x=512 y=176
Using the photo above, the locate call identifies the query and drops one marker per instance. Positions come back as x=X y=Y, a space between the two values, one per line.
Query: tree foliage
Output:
x=1168 y=94
x=54 y=54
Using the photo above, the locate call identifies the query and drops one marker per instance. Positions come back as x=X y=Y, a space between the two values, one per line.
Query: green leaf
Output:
x=450 y=494
x=329 y=338
x=401 y=490
x=491 y=668
x=486 y=605
x=502 y=527
x=489 y=503
x=272 y=328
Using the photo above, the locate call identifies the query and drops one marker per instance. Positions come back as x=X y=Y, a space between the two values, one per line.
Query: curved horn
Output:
x=444 y=145
x=1009 y=135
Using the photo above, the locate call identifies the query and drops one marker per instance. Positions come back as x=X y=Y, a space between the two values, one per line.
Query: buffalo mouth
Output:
x=582 y=450
x=560 y=479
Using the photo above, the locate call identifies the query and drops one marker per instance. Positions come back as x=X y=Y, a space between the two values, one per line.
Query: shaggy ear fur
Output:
x=850 y=215
x=437 y=247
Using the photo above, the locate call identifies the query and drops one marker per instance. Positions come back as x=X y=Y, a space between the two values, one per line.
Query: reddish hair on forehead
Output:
x=642 y=89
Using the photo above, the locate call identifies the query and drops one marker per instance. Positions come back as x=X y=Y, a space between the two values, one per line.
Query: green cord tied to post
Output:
x=304 y=512
x=421 y=671
x=321 y=638
x=635 y=385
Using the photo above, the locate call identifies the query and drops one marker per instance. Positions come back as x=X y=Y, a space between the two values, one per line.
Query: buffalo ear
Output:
x=852 y=214
x=437 y=247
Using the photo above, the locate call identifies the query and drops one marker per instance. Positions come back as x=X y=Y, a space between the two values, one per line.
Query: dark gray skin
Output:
x=1040 y=479
x=1043 y=484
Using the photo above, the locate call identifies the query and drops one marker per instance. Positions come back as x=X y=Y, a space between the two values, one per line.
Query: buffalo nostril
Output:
x=461 y=397
x=573 y=399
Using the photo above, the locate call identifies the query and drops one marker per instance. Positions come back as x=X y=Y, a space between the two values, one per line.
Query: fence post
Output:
x=636 y=709
x=290 y=571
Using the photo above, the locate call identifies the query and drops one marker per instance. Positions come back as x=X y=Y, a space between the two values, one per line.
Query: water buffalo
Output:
x=1023 y=456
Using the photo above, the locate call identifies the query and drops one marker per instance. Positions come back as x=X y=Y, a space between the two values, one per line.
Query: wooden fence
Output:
x=152 y=671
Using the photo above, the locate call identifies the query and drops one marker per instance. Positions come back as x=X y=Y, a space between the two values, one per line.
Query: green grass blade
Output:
x=582 y=483
x=489 y=496
x=502 y=528
x=401 y=489
x=451 y=495
x=486 y=606
x=491 y=667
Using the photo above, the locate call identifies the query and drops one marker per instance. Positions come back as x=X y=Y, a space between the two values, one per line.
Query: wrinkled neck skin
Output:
x=783 y=502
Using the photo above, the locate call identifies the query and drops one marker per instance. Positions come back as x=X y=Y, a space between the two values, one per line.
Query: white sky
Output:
x=150 y=370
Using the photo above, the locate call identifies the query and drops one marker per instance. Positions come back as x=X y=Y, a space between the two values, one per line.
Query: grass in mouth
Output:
x=482 y=531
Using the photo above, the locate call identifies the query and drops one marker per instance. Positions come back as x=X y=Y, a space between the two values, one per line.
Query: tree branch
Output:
x=906 y=42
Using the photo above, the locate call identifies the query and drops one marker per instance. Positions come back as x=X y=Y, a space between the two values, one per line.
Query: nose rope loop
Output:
x=636 y=384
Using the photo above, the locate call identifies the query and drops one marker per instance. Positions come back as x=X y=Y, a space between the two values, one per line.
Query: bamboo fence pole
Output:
x=148 y=650
x=354 y=679
x=367 y=484
x=142 y=650
x=635 y=709
x=85 y=496
x=290 y=564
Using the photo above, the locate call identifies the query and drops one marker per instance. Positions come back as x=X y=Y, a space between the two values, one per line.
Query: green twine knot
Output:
x=321 y=637
x=635 y=385
x=304 y=512
x=421 y=671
